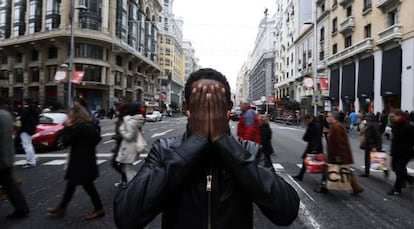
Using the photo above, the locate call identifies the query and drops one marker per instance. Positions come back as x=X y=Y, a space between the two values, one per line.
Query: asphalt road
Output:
x=43 y=187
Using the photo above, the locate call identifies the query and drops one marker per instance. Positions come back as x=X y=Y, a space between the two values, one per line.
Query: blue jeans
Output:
x=28 y=148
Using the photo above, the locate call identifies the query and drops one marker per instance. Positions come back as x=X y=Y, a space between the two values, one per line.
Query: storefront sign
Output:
x=307 y=82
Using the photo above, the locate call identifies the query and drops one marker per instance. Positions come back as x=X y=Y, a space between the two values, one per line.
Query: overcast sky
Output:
x=222 y=32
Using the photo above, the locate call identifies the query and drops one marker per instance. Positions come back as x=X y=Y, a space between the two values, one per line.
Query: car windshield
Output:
x=52 y=118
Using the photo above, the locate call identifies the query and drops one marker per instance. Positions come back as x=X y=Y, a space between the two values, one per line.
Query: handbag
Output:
x=339 y=177
x=141 y=144
x=315 y=163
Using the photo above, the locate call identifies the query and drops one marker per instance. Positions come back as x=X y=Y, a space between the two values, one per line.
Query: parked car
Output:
x=49 y=132
x=235 y=114
x=153 y=116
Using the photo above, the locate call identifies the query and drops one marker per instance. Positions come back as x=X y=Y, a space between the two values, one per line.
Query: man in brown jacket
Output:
x=339 y=151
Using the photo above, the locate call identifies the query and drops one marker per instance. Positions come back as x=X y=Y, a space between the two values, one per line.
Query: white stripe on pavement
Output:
x=55 y=162
x=61 y=155
x=20 y=162
x=109 y=141
x=277 y=166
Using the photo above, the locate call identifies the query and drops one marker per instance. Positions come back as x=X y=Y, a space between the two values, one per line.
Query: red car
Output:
x=49 y=132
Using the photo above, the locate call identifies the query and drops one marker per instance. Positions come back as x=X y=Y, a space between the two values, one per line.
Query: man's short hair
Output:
x=206 y=73
x=244 y=101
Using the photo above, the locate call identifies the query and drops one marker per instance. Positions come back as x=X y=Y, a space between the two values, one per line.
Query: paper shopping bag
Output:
x=378 y=160
x=339 y=177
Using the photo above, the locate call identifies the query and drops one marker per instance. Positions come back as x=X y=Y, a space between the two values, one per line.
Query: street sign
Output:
x=317 y=99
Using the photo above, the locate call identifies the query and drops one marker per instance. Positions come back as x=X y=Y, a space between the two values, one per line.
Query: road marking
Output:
x=153 y=129
x=277 y=166
x=136 y=162
x=303 y=190
x=107 y=134
x=61 y=155
x=410 y=170
x=109 y=141
x=55 y=162
x=143 y=155
x=20 y=162
x=161 y=134
x=308 y=218
x=98 y=162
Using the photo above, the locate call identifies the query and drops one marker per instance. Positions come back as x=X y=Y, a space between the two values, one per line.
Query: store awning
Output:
x=391 y=72
x=366 y=78
x=334 y=84
x=348 y=82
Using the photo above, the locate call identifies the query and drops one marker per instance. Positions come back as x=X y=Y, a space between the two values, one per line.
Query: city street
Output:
x=43 y=187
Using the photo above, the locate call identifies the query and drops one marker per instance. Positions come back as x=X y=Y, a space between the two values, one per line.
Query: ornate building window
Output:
x=121 y=19
x=52 y=14
x=91 y=18
x=19 y=23
x=5 y=19
x=35 y=16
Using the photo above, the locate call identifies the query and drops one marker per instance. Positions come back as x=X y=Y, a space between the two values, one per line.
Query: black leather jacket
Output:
x=195 y=184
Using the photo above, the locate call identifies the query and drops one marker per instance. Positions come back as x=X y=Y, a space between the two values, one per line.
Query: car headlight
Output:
x=43 y=134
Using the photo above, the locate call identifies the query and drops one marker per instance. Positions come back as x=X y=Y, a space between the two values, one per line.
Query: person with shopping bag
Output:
x=132 y=143
x=339 y=160
x=371 y=141
x=313 y=137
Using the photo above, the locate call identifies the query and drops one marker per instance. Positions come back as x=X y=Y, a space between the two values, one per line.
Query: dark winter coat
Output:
x=266 y=138
x=82 y=166
x=313 y=137
x=6 y=140
x=29 y=119
x=402 y=140
x=339 y=149
x=373 y=137
x=174 y=181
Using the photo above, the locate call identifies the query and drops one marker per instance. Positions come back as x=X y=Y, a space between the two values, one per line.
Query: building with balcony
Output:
x=371 y=55
x=171 y=55
x=115 y=46
x=261 y=62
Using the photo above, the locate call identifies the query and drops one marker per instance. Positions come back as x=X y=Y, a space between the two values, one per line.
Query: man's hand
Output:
x=198 y=117
x=218 y=112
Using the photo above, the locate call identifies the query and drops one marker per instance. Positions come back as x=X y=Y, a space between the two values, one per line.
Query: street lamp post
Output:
x=314 y=57
x=314 y=67
x=71 y=51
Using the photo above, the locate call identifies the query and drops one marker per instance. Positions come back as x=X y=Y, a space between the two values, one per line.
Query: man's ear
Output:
x=185 y=107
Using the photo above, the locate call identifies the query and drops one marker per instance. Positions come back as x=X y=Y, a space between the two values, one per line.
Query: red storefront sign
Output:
x=77 y=77
x=323 y=83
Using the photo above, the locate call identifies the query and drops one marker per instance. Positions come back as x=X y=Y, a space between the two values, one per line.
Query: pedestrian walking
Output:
x=401 y=150
x=266 y=137
x=205 y=178
x=248 y=126
x=313 y=137
x=131 y=133
x=353 y=118
x=339 y=152
x=371 y=140
x=120 y=113
x=29 y=120
x=82 y=169
x=7 y=180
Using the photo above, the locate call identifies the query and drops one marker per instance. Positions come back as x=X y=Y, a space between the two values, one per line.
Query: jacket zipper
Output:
x=208 y=189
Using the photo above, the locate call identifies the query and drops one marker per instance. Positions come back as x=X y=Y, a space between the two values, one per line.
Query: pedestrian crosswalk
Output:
x=56 y=159
x=60 y=159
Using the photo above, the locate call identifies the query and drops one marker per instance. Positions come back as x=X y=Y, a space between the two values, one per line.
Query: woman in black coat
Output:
x=314 y=139
x=266 y=137
x=81 y=168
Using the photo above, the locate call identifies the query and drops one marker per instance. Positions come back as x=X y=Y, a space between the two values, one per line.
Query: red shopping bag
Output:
x=315 y=163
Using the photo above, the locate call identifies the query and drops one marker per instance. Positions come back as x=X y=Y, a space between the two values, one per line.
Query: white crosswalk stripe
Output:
x=58 y=162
